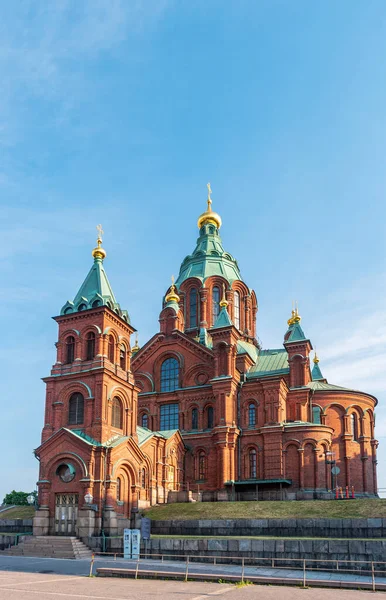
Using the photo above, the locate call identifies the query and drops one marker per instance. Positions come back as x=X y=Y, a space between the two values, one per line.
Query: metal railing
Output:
x=306 y=565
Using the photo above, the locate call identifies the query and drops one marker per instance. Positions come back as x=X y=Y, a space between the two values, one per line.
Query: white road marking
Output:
x=217 y=593
x=41 y=581
x=65 y=595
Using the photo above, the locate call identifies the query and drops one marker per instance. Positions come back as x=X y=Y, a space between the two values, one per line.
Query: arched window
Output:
x=116 y=413
x=236 y=309
x=143 y=478
x=122 y=357
x=201 y=466
x=316 y=412
x=215 y=303
x=169 y=375
x=354 y=426
x=252 y=415
x=70 y=349
x=82 y=307
x=193 y=308
x=145 y=420
x=76 y=409
x=90 y=345
x=210 y=416
x=119 y=489
x=194 y=418
x=252 y=464
x=111 y=349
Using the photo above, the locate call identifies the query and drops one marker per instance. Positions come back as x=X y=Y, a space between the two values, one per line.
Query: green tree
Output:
x=18 y=498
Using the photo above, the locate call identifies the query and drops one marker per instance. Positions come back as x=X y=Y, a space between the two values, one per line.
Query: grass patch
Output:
x=297 y=509
x=18 y=512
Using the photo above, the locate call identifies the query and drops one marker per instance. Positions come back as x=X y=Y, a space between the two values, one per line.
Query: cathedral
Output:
x=201 y=412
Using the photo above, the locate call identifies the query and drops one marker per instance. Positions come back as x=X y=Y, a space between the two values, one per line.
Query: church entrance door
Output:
x=66 y=513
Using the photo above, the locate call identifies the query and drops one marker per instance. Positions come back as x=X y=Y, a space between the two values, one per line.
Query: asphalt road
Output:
x=16 y=585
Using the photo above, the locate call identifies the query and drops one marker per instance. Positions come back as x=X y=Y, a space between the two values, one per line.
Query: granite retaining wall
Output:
x=326 y=528
x=292 y=552
x=15 y=525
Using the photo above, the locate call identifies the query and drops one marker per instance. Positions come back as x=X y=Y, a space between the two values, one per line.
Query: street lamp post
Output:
x=332 y=462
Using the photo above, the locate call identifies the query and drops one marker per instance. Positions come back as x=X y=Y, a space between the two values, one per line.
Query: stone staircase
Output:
x=49 y=546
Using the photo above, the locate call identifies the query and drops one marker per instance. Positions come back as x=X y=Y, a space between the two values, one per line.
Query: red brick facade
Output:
x=199 y=407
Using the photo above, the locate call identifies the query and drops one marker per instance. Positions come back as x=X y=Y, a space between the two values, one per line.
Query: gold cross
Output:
x=100 y=232
x=209 y=194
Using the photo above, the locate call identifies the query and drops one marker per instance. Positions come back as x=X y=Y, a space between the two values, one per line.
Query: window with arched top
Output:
x=169 y=375
x=76 y=409
x=143 y=478
x=111 y=351
x=119 y=489
x=236 y=309
x=215 y=303
x=201 y=465
x=90 y=345
x=116 y=413
x=122 y=356
x=252 y=415
x=145 y=420
x=354 y=426
x=194 y=418
x=193 y=308
x=210 y=417
x=252 y=464
x=316 y=415
x=70 y=349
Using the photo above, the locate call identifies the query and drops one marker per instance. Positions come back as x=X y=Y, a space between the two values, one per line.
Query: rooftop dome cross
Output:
x=172 y=296
x=99 y=253
x=209 y=216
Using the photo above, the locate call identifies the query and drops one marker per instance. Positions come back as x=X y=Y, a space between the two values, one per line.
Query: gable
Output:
x=196 y=362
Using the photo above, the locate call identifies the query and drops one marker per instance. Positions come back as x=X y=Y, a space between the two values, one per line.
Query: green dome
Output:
x=209 y=258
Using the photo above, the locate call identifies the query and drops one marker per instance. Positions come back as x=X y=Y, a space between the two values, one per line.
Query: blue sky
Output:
x=119 y=112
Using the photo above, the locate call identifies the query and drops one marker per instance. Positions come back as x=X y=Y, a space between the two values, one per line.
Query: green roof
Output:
x=145 y=434
x=316 y=373
x=247 y=348
x=223 y=319
x=209 y=258
x=294 y=333
x=95 y=291
x=322 y=386
x=116 y=440
x=270 y=362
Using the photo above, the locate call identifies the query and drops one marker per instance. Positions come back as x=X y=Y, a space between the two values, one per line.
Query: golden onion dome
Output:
x=209 y=216
x=291 y=320
x=99 y=252
x=316 y=359
x=297 y=317
x=224 y=302
x=172 y=296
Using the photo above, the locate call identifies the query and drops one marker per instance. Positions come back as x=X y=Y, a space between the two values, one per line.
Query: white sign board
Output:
x=135 y=543
x=127 y=543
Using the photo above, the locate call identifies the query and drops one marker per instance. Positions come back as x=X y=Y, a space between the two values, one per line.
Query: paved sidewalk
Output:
x=235 y=572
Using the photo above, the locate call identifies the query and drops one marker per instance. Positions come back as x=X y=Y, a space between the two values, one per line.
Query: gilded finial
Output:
x=316 y=358
x=99 y=252
x=172 y=296
x=291 y=320
x=209 y=216
x=224 y=302
x=136 y=347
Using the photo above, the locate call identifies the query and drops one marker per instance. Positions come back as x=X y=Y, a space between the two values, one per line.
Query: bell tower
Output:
x=91 y=397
